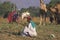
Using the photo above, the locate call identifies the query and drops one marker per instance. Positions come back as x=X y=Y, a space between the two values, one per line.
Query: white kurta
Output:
x=30 y=30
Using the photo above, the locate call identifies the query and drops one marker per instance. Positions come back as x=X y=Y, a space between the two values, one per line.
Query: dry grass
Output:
x=10 y=31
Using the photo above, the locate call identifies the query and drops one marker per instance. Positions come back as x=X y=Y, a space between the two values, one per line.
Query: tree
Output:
x=53 y=2
x=6 y=7
x=34 y=11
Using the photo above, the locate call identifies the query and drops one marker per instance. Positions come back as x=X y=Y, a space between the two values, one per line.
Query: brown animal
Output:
x=43 y=18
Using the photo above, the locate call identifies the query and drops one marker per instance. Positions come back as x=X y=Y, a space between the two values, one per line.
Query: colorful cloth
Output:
x=10 y=16
x=33 y=24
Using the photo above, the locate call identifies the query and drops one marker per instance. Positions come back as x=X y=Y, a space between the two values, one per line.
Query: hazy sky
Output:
x=26 y=3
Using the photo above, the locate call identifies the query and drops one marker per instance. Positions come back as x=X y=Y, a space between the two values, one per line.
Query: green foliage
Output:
x=6 y=7
x=53 y=2
x=33 y=10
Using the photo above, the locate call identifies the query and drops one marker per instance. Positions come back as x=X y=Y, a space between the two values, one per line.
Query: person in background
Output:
x=15 y=17
x=10 y=16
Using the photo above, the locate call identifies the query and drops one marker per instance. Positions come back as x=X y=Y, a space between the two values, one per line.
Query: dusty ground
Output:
x=10 y=31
